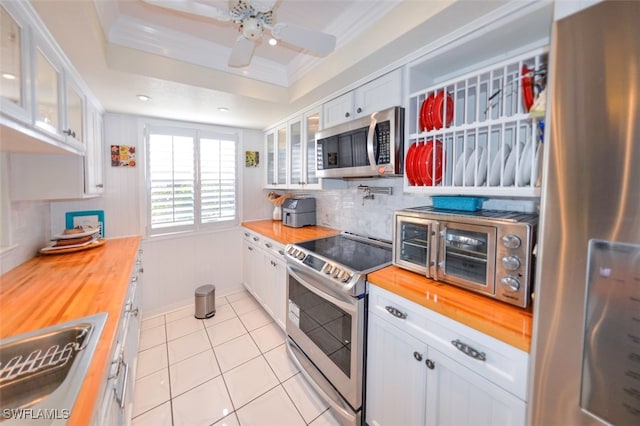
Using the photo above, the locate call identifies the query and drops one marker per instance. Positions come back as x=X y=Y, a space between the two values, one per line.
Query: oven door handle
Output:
x=437 y=238
x=370 y=141
x=308 y=282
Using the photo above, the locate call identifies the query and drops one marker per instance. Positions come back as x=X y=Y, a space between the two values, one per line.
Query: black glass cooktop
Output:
x=358 y=255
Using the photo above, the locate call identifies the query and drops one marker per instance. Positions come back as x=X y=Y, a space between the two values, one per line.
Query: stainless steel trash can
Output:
x=205 y=301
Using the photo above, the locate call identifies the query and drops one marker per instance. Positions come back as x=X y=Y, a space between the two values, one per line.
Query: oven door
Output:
x=412 y=249
x=329 y=329
x=466 y=256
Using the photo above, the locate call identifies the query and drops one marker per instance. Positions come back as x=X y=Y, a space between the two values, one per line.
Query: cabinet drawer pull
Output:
x=250 y=248
x=468 y=350
x=281 y=252
x=267 y=245
x=246 y=234
x=396 y=312
x=430 y=364
x=256 y=239
x=417 y=355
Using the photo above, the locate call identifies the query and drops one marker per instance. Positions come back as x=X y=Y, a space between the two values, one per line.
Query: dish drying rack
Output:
x=490 y=144
x=39 y=362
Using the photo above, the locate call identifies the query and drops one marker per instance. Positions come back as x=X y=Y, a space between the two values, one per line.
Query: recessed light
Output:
x=8 y=76
x=273 y=41
x=143 y=98
x=223 y=109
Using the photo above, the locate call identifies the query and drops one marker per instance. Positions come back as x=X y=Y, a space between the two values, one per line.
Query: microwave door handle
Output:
x=370 y=141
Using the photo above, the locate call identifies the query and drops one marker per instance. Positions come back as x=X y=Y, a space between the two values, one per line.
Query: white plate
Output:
x=537 y=166
x=481 y=176
x=470 y=168
x=459 y=172
x=78 y=235
x=524 y=167
x=494 y=173
x=510 y=168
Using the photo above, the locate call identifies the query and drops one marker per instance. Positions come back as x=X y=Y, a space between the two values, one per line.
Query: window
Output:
x=192 y=181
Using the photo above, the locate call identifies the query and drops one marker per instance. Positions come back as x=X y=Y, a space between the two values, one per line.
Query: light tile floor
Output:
x=232 y=369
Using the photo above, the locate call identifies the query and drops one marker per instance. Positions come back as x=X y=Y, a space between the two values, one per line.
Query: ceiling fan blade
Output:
x=193 y=8
x=315 y=41
x=241 y=53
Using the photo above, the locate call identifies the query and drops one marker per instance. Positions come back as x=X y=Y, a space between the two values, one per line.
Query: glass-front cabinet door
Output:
x=281 y=154
x=311 y=126
x=14 y=98
x=295 y=158
x=74 y=117
x=47 y=93
x=271 y=158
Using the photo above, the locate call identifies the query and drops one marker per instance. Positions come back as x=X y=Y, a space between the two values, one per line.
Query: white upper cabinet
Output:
x=44 y=102
x=381 y=93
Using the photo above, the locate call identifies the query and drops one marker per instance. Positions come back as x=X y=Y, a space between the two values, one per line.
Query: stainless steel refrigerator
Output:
x=586 y=340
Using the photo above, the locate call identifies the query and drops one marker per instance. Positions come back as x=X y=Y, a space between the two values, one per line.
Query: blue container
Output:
x=467 y=204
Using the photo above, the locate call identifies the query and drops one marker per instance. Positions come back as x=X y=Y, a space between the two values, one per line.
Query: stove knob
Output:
x=345 y=278
x=511 y=241
x=511 y=283
x=337 y=272
x=301 y=255
x=328 y=269
x=511 y=263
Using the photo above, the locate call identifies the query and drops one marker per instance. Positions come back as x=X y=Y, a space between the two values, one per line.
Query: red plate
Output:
x=425 y=113
x=409 y=164
x=437 y=112
x=425 y=164
x=527 y=88
x=416 y=164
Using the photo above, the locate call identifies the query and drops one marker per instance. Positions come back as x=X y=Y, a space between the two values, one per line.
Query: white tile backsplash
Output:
x=346 y=210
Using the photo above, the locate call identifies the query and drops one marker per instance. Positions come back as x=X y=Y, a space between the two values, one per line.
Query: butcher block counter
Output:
x=275 y=230
x=53 y=289
x=504 y=322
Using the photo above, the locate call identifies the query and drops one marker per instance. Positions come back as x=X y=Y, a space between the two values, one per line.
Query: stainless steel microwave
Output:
x=369 y=146
x=489 y=252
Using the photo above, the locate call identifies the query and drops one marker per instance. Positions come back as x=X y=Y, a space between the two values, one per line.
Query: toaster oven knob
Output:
x=511 y=263
x=511 y=283
x=511 y=241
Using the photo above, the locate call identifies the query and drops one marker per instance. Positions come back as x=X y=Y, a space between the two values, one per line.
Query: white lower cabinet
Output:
x=116 y=407
x=416 y=376
x=251 y=261
x=264 y=274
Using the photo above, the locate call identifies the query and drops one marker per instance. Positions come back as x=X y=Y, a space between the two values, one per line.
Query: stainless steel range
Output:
x=326 y=317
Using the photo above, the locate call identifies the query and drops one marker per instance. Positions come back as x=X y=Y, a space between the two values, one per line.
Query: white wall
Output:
x=174 y=266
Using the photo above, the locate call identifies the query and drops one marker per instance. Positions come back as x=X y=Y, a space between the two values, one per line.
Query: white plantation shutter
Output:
x=217 y=180
x=192 y=179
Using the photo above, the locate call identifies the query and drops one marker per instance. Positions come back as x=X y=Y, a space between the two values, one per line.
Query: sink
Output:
x=41 y=372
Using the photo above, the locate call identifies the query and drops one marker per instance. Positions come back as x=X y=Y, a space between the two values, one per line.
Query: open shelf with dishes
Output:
x=480 y=133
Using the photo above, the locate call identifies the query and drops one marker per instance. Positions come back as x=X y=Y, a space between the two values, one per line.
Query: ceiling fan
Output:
x=253 y=18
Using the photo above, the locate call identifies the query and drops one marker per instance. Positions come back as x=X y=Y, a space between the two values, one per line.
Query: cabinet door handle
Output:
x=246 y=234
x=430 y=364
x=267 y=245
x=273 y=263
x=250 y=248
x=256 y=239
x=396 y=312
x=346 y=114
x=359 y=110
x=281 y=252
x=417 y=355
x=99 y=185
x=468 y=350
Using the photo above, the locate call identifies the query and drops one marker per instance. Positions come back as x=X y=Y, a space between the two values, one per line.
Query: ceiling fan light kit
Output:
x=253 y=17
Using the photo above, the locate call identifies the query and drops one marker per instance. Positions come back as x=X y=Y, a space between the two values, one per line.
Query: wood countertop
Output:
x=507 y=323
x=49 y=290
x=275 y=230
